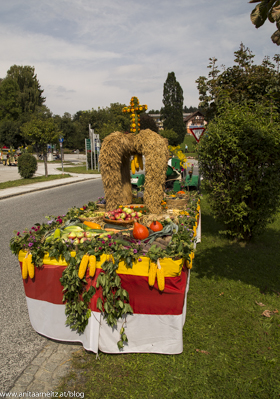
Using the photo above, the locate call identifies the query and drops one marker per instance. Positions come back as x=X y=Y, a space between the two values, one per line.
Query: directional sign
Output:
x=88 y=144
x=197 y=131
x=61 y=139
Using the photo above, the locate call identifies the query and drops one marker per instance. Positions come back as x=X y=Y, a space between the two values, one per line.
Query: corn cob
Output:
x=92 y=265
x=136 y=162
x=152 y=274
x=83 y=266
x=24 y=270
x=30 y=266
x=194 y=231
x=160 y=279
x=140 y=161
x=133 y=166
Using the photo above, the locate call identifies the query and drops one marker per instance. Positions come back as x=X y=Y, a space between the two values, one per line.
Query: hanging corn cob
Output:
x=133 y=166
x=30 y=266
x=160 y=277
x=92 y=265
x=24 y=270
x=136 y=162
x=152 y=274
x=83 y=266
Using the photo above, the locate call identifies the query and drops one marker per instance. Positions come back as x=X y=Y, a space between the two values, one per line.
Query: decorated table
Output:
x=113 y=276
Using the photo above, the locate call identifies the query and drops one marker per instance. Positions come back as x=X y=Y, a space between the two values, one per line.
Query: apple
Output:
x=117 y=216
x=133 y=214
x=76 y=241
x=129 y=211
x=72 y=235
x=80 y=234
x=88 y=234
x=123 y=215
x=139 y=214
x=83 y=239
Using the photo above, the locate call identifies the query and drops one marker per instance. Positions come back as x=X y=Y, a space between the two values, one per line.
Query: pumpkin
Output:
x=181 y=192
x=92 y=225
x=140 y=232
x=156 y=226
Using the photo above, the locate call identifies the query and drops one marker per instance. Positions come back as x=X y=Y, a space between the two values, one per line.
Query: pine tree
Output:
x=172 y=112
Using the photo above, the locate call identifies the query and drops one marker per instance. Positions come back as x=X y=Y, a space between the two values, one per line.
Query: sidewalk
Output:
x=9 y=173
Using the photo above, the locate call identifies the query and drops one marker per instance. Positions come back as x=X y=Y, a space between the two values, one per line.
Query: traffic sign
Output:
x=88 y=144
x=61 y=139
x=197 y=131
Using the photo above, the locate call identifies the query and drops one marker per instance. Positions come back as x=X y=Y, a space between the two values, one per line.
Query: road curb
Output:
x=31 y=190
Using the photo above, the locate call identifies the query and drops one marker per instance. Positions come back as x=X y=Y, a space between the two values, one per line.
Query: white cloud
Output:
x=89 y=53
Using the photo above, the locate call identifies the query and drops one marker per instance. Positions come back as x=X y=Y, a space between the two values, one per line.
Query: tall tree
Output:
x=172 y=112
x=267 y=9
x=20 y=97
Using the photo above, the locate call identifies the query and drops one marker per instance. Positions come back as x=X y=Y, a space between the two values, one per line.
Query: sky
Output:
x=91 y=53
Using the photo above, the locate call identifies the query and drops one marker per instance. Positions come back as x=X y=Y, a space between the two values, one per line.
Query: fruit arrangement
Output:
x=123 y=214
x=77 y=234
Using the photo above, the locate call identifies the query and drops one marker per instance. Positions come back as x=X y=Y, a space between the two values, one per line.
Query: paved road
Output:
x=19 y=343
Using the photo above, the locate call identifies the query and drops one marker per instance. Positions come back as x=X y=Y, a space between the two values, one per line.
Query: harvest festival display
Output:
x=92 y=255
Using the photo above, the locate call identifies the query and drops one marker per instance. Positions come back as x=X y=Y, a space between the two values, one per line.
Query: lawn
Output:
x=36 y=179
x=231 y=350
x=80 y=169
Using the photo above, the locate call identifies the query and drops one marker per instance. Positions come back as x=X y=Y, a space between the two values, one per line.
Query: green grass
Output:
x=191 y=142
x=37 y=179
x=242 y=347
x=80 y=169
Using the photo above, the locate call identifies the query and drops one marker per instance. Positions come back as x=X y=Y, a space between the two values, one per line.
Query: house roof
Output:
x=190 y=116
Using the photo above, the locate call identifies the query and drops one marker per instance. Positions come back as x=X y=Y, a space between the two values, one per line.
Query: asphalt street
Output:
x=19 y=342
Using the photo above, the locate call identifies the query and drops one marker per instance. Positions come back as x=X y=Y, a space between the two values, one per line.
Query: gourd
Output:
x=83 y=266
x=156 y=226
x=140 y=232
x=93 y=225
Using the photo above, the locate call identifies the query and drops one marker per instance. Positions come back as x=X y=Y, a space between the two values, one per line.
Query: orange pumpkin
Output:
x=140 y=232
x=156 y=226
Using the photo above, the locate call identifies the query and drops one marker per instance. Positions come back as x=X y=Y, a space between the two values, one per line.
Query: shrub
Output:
x=170 y=135
x=27 y=165
x=239 y=158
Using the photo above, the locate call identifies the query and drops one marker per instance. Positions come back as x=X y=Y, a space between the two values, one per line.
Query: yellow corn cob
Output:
x=30 y=266
x=24 y=270
x=152 y=274
x=133 y=166
x=160 y=279
x=83 y=266
x=194 y=231
x=140 y=161
x=136 y=162
x=92 y=265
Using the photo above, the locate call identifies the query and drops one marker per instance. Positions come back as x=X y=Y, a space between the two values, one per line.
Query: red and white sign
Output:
x=197 y=132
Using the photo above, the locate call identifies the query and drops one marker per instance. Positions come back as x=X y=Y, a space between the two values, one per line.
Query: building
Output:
x=195 y=118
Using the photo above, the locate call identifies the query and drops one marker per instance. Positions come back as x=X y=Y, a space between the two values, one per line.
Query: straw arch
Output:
x=115 y=155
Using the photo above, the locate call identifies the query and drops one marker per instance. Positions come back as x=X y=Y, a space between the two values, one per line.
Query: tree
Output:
x=40 y=132
x=20 y=97
x=170 y=135
x=147 y=122
x=242 y=83
x=190 y=110
x=30 y=92
x=172 y=112
x=239 y=158
x=267 y=9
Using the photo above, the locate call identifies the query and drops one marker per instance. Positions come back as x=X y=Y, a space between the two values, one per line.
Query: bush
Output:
x=27 y=165
x=170 y=135
x=239 y=158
